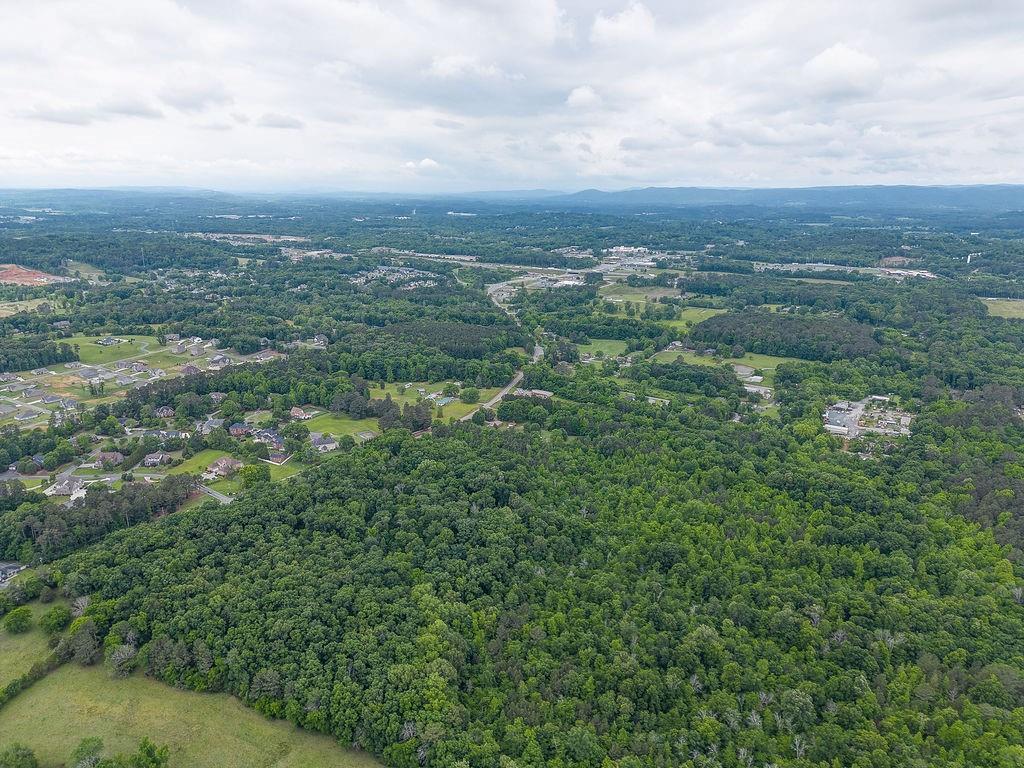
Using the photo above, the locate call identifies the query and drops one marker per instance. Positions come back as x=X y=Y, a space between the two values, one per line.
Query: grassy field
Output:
x=8 y=308
x=691 y=316
x=337 y=425
x=202 y=730
x=197 y=464
x=610 y=347
x=765 y=363
x=85 y=271
x=1013 y=308
x=91 y=352
x=638 y=295
x=19 y=652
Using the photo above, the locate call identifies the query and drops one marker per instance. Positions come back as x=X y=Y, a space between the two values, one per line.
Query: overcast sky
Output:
x=438 y=95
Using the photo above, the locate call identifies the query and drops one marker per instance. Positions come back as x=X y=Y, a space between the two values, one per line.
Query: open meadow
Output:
x=201 y=730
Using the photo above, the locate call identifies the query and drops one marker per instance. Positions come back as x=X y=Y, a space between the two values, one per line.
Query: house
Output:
x=209 y=425
x=123 y=380
x=298 y=413
x=139 y=366
x=73 y=364
x=276 y=457
x=120 y=365
x=51 y=399
x=178 y=348
x=219 y=361
x=62 y=325
x=217 y=397
x=172 y=336
x=108 y=341
x=240 y=429
x=539 y=394
x=110 y=457
x=8 y=377
x=69 y=485
x=68 y=404
x=164 y=412
x=223 y=467
x=156 y=459
x=323 y=443
x=190 y=370
x=32 y=393
x=269 y=437
x=320 y=340
x=39 y=371
x=24 y=415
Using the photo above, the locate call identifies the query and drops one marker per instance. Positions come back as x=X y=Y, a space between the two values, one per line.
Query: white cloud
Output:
x=843 y=72
x=583 y=96
x=275 y=120
x=194 y=95
x=555 y=93
x=425 y=165
x=632 y=25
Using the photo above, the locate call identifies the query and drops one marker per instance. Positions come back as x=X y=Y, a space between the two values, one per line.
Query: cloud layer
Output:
x=440 y=95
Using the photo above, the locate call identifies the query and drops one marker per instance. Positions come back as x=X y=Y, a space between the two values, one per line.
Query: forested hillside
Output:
x=696 y=591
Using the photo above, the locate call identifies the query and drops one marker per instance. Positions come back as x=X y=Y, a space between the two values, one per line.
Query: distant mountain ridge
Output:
x=992 y=196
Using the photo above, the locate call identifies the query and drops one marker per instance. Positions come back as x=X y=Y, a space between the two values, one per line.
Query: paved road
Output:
x=222 y=498
x=497 y=398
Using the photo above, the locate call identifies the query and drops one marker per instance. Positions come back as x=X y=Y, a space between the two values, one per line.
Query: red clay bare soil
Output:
x=15 y=275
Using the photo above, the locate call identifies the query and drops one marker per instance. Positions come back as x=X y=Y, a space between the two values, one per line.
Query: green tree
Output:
x=55 y=620
x=19 y=620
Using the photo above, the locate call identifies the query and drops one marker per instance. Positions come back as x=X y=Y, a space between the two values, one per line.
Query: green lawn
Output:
x=232 y=486
x=90 y=352
x=610 y=347
x=86 y=271
x=1013 y=308
x=637 y=295
x=19 y=652
x=202 y=730
x=8 y=308
x=458 y=409
x=286 y=470
x=338 y=425
x=197 y=464
x=691 y=316
x=765 y=363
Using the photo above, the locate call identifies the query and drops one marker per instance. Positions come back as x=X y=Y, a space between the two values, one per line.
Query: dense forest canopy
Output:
x=649 y=552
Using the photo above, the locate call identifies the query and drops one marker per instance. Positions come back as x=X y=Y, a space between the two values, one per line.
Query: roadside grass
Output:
x=202 y=730
x=1011 y=308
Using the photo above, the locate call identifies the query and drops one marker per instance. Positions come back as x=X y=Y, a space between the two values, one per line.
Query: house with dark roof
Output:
x=156 y=459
